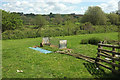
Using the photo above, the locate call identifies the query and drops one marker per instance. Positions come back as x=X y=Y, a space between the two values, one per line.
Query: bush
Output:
x=105 y=28
x=30 y=33
x=13 y=34
x=94 y=40
x=24 y=32
x=18 y=34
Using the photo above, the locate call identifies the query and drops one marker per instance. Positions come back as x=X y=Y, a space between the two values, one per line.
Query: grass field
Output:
x=17 y=56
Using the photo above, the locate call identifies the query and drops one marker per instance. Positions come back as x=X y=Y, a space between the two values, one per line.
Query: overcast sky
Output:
x=57 y=6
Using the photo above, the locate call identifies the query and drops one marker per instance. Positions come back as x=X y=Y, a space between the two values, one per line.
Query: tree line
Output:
x=71 y=23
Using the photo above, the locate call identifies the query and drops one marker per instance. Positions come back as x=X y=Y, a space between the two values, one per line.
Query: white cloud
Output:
x=83 y=9
x=110 y=6
x=55 y=6
x=69 y=1
x=37 y=7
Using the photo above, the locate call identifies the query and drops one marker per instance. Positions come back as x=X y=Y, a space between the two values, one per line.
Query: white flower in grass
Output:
x=18 y=70
x=21 y=70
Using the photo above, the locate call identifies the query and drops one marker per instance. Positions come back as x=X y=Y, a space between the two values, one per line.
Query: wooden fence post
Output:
x=99 y=51
x=113 y=55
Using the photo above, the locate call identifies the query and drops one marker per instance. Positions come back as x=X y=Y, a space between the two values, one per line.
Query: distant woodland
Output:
x=16 y=25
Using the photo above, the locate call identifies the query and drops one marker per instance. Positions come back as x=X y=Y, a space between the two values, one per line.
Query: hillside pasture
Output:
x=17 y=56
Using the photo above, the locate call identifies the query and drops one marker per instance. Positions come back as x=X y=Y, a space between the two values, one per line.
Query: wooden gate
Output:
x=111 y=57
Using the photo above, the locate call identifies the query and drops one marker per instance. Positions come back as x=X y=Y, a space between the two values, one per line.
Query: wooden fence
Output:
x=111 y=57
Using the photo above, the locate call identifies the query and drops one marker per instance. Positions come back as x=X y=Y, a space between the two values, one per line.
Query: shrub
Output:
x=12 y=34
x=18 y=34
x=94 y=40
x=30 y=33
x=105 y=28
x=24 y=32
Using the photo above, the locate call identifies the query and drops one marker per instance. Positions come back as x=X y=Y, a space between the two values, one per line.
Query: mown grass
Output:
x=17 y=55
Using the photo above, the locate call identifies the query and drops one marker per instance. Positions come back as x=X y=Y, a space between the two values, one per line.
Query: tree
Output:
x=87 y=26
x=51 y=15
x=70 y=17
x=58 y=19
x=27 y=20
x=70 y=27
x=10 y=21
x=113 y=18
x=94 y=15
x=39 y=21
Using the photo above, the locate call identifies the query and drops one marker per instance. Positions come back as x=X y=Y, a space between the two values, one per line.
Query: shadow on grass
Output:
x=98 y=72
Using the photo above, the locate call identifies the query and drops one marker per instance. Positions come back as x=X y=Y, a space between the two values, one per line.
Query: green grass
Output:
x=17 y=55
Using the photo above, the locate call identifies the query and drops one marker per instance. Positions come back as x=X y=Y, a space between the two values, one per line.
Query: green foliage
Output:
x=82 y=32
x=52 y=32
x=95 y=15
x=58 y=19
x=10 y=21
x=68 y=29
x=39 y=21
x=30 y=33
x=13 y=34
x=27 y=20
x=87 y=26
x=94 y=40
x=105 y=28
x=19 y=34
x=113 y=18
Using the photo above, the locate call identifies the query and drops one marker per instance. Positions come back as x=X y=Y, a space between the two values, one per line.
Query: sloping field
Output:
x=17 y=56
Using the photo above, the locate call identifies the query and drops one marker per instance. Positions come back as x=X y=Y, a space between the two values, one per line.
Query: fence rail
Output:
x=103 y=50
x=108 y=54
x=107 y=45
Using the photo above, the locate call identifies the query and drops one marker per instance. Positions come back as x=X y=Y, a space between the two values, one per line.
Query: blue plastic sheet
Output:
x=41 y=50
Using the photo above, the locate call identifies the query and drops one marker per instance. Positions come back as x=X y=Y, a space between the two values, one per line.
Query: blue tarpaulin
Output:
x=41 y=50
